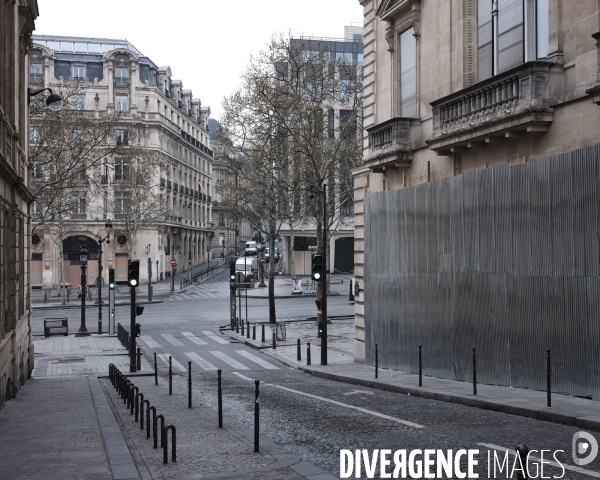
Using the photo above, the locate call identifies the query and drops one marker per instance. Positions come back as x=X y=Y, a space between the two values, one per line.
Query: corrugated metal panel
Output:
x=506 y=259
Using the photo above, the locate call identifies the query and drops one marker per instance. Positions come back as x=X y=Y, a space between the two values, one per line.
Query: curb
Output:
x=545 y=414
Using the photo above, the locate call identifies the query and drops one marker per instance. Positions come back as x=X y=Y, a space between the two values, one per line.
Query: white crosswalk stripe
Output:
x=177 y=367
x=193 y=338
x=255 y=359
x=205 y=364
x=230 y=361
x=214 y=337
x=147 y=339
x=172 y=340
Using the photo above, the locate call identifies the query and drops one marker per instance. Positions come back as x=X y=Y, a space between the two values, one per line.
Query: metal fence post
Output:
x=170 y=376
x=474 y=373
x=155 y=371
x=548 y=377
x=420 y=367
x=299 y=354
x=139 y=359
x=274 y=340
x=376 y=362
x=254 y=332
x=256 y=415
x=189 y=384
x=220 y=398
x=308 y=353
x=263 y=333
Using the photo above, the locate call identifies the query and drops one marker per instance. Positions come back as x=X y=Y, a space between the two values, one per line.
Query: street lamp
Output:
x=54 y=101
x=108 y=228
x=325 y=270
x=83 y=257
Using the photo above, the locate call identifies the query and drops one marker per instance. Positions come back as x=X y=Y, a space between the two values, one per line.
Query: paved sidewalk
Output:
x=341 y=367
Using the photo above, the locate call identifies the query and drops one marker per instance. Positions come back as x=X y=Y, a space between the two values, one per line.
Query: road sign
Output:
x=263 y=260
x=208 y=249
x=243 y=285
x=173 y=262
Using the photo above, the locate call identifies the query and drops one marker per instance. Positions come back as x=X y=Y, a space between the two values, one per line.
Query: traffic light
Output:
x=317 y=267
x=111 y=278
x=138 y=329
x=138 y=310
x=232 y=272
x=133 y=274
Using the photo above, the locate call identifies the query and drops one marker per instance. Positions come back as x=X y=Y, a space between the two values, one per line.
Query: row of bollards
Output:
x=135 y=402
x=474 y=364
x=123 y=336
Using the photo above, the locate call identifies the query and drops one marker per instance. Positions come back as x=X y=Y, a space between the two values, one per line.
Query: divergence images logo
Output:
x=584 y=444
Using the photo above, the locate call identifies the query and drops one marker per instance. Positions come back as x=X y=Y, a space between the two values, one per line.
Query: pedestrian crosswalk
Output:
x=206 y=350
x=204 y=290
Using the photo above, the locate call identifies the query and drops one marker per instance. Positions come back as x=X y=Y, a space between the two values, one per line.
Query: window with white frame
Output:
x=34 y=135
x=35 y=73
x=121 y=202
x=408 y=73
x=121 y=103
x=121 y=77
x=510 y=32
x=121 y=169
x=78 y=72
x=78 y=102
x=121 y=136
x=78 y=202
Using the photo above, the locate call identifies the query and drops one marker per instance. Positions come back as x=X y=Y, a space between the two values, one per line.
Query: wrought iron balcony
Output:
x=510 y=104
x=392 y=142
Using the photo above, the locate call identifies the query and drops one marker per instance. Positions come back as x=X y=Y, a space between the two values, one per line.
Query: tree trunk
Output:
x=61 y=272
x=272 y=316
x=292 y=249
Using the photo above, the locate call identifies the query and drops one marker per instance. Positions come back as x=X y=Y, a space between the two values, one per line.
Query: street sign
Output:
x=263 y=260
x=173 y=262
x=243 y=285
x=208 y=249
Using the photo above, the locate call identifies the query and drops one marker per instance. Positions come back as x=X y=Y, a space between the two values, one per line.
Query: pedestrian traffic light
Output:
x=133 y=274
x=317 y=267
x=138 y=329
x=232 y=272
x=111 y=278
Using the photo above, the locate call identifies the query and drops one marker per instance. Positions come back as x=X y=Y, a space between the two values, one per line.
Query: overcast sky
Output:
x=207 y=43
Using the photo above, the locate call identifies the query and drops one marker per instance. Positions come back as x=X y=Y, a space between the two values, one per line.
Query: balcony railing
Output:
x=516 y=100
x=121 y=81
x=392 y=142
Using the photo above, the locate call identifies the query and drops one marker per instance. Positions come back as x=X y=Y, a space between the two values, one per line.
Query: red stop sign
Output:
x=263 y=260
x=173 y=262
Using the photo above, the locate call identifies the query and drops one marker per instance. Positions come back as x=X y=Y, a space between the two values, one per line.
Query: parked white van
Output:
x=247 y=266
x=251 y=248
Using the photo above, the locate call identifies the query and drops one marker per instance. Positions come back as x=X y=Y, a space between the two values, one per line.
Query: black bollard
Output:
x=247 y=329
x=474 y=373
x=220 y=398
x=263 y=333
x=308 y=353
x=274 y=341
x=162 y=427
x=170 y=376
x=173 y=444
x=254 y=332
x=420 y=367
x=148 y=424
x=139 y=359
x=242 y=322
x=376 y=362
x=155 y=371
x=522 y=452
x=256 y=415
x=45 y=297
x=237 y=325
x=548 y=377
x=299 y=355
x=189 y=384
x=146 y=402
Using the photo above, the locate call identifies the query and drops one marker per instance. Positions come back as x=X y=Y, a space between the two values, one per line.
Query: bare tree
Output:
x=298 y=112
x=66 y=146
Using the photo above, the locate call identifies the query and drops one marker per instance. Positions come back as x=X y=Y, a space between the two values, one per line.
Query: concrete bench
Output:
x=56 y=326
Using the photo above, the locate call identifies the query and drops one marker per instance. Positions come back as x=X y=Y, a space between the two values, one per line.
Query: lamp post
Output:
x=108 y=228
x=326 y=269
x=83 y=256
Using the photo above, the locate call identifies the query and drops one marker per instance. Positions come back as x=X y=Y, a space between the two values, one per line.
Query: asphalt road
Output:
x=316 y=418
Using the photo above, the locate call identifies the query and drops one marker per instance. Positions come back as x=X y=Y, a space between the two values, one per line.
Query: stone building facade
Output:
x=116 y=79
x=457 y=86
x=16 y=350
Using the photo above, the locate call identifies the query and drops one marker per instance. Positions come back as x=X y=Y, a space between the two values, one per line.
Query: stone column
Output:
x=132 y=84
x=111 y=94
